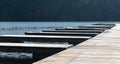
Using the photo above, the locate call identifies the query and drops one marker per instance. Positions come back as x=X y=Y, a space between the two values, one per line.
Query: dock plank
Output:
x=33 y=48
x=61 y=34
x=81 y=28
x=43 y=38
x=75 y=31
x=35 y=45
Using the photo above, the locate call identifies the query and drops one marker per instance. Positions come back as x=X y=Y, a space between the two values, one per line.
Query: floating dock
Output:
x=89 y=27
x=69 y=50
x=101 y=49
x=39 y=50
x=106 y=24
x=97 y=26
x=75 y=31
x=32 y=48
x=77 y=28
x=61 y=34
x=43 y=38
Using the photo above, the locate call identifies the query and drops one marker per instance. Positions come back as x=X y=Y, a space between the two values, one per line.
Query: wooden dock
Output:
x=75 y=31
x=39 y=51
x=101 y=49
x=98 y=26
x=77 y=28
x=61 y=34
x=32 y=48
x=43 y=38
x=89 y=27
x=105 y=24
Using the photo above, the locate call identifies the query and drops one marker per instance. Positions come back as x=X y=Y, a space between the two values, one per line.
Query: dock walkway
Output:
x=102 y=49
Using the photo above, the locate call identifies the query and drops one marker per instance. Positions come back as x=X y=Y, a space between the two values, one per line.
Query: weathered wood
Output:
x=43 y=38
x=61 y=34
x=81 y=29
x=39 y=51
x=91 y=27
x=105 y=24
x=76 y=31
x=102 y=49
x=96 y=26
x=33 y=48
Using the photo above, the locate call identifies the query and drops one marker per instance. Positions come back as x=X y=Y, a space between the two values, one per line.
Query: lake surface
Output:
x=21 y=27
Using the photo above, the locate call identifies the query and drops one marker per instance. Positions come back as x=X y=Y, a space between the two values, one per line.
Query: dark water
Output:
x=21 y=27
